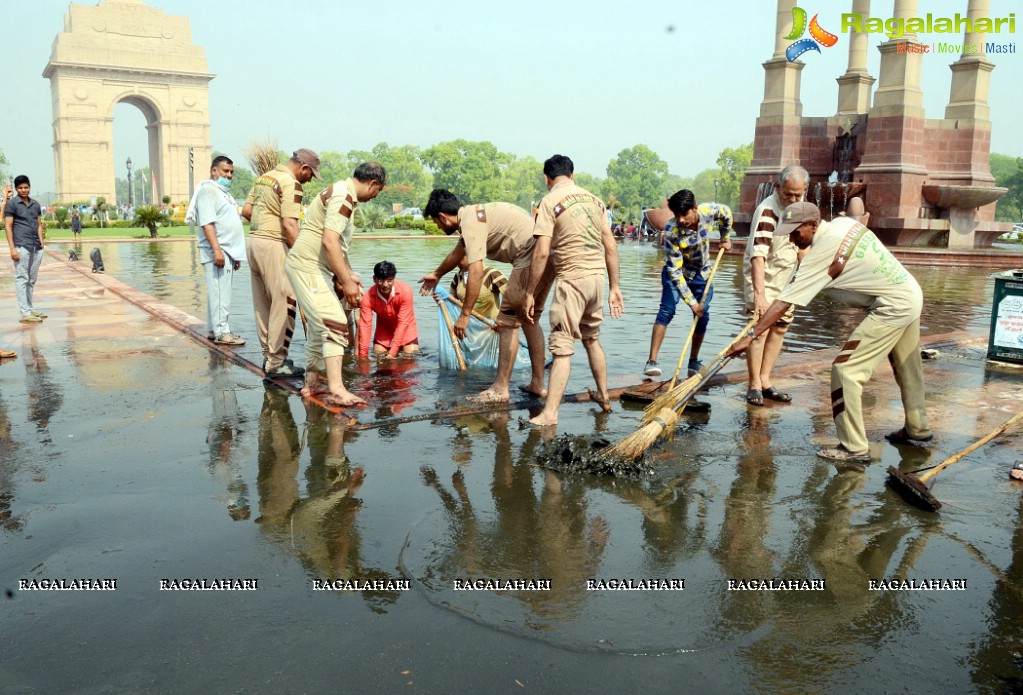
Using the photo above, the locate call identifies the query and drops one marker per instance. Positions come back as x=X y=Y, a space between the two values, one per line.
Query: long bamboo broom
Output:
x=636 y=444
x=685 y=391
x=696 y=320
x=263 y=155
x=451 y=332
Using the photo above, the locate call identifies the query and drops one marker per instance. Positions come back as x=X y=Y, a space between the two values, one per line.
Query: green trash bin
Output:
x=1005 y=343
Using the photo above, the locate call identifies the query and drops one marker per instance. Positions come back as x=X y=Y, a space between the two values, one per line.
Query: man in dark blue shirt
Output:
x=23 y=219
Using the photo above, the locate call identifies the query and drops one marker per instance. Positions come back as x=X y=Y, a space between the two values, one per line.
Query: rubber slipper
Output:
x=776 y=395
x=840 y=453
x=755 y=397
x=900 y=436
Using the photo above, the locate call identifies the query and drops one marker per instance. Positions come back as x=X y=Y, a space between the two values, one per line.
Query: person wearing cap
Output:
x=499 y=232
x=273 y=206
x=847 y=260
x=766 y=267
x=687 y=262
x=317 y=264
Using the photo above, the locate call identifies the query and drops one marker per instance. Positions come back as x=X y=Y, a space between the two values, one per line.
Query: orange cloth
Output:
x=396 y=320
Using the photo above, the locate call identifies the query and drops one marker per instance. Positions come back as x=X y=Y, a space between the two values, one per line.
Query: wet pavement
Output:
x=131 y=451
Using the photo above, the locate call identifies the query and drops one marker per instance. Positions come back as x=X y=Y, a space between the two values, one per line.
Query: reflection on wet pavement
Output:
x=123 y=444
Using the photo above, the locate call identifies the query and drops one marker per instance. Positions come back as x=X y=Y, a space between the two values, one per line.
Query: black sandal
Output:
x=755 y=397
x=776 y=395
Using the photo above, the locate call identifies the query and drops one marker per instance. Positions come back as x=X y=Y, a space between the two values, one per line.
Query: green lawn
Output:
x=53 y=234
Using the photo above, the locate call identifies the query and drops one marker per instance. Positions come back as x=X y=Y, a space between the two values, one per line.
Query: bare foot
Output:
x=488 y=396
x=542 y=421
x=600 y=399
x=533 y=390
x=343 y=399
x=315 y=389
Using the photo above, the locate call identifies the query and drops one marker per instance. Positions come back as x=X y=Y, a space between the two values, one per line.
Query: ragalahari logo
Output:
x=817 y=36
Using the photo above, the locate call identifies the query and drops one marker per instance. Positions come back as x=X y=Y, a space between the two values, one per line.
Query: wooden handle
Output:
x=490 y=322
x=970 y=449
x=454 y=338
x=696 y=319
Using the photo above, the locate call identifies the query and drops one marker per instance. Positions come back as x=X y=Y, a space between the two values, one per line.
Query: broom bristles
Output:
x=670 y=399
x=636 y=444
x=262 y=155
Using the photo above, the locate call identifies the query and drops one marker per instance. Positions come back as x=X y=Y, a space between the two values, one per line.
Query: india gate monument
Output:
x=125 y=51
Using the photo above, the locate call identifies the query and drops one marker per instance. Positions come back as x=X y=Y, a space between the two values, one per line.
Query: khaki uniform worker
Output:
x=499 y=232
x=318 y=257
x=572 y=230
x=847 y=260
x=274 y=206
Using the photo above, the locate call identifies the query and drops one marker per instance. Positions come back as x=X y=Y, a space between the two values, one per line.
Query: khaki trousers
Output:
x=327 y=325
x=867 y=346
x=272 y=299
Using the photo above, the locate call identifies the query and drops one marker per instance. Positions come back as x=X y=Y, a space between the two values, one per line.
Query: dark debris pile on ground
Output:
x=569 y=454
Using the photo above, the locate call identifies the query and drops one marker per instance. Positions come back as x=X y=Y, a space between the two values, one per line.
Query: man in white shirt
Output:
x=221 y=247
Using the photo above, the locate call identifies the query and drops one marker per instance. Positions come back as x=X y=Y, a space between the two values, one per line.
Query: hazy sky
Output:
x=586 y=79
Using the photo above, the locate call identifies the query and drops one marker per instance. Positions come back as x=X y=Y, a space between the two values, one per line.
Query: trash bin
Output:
x=1005 y=343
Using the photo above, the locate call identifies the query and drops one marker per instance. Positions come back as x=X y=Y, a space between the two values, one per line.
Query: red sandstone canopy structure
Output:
x=925 y=181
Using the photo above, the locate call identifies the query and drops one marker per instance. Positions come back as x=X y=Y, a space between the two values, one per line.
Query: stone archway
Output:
x=125 y=51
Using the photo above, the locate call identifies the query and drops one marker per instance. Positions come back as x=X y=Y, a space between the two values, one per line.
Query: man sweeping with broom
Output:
x=847 y=260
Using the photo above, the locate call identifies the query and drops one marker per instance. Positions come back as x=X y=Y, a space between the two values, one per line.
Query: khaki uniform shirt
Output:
x=575 y=220
x=778 y=252
x=848 y=262
x=332 y=210
x=499 y=231
x=277 y=194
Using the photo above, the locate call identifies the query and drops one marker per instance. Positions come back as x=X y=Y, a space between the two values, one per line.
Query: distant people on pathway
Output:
x=76 y=223
x=392 y=302
x=326 y=286
x=274 y=206
x=221 y=248
x=23 y=221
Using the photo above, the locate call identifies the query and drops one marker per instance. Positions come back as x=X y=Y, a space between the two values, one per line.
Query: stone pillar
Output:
x=894 y=166
x=971 y=74
x=777 y=136
x=783 y=26
x=854 y=86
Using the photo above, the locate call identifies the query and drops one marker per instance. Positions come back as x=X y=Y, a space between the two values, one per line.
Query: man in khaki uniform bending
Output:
x=572 y=230
x=273 y=207
x=854 y=267
x=500 y=232
x=316 y=264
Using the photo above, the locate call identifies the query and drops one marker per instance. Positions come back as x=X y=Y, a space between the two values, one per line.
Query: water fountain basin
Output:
x=966 y=197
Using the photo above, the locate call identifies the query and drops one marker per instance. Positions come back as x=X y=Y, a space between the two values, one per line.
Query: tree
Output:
x=242 y=183
x=1008 y=172
x=151 y=217
x=408 y=182
x=101 y=209
x=522 y=182
x=4 y=167
x=471 y=170
x=636 y=179
x=370 y=215
x=733 y=163
x=60 y=213
x=703 y=185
